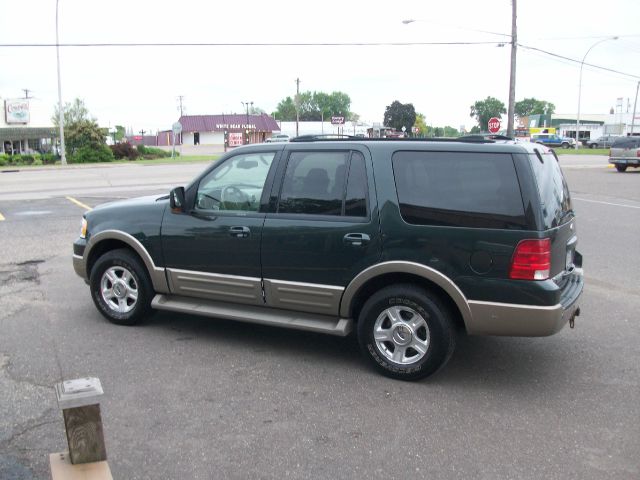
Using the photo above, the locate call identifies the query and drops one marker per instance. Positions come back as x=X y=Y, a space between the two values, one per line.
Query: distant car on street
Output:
x=625 y=152
x=552 y=140
x=604 y=141
x=278 y=138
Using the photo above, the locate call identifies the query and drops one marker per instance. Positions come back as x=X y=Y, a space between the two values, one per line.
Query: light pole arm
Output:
x=580 y=86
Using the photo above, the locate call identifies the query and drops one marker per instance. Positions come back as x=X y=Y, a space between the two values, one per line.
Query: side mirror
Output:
x=176 y=200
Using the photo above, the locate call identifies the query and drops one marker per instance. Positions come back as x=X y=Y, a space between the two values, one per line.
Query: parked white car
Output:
x=278 y=138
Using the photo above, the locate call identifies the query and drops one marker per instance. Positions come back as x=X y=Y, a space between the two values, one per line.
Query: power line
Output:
x=556 y=55
x=247 y=44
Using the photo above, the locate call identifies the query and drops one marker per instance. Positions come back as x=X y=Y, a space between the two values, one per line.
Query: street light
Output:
x=580 y=85
x=63 y=155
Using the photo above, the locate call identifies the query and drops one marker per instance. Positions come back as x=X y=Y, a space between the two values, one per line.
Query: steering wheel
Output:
x=232 y=194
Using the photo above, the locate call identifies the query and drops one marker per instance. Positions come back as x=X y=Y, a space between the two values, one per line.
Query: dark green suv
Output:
x=402 y=241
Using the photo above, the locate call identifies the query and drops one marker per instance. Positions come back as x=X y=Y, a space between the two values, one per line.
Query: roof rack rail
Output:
x=335 y=137
x=324 y=136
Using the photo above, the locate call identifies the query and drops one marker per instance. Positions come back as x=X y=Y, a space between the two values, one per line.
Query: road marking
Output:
x=606 y=203
x=1 y=218
x=80 y=204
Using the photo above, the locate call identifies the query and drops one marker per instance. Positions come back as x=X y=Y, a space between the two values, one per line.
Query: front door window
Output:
x=236 y=185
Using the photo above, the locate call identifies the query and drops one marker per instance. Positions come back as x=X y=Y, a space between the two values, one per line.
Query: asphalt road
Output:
x=188 y=397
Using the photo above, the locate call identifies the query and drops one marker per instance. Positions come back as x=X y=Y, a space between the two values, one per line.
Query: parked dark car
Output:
x=604 y=141
x=403 y=241
x=625 y=152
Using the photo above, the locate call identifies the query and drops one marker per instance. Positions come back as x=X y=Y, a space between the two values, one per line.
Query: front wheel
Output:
x=621 y=168
x=593 y=145
x=565 y=145
x=406 y=332
x=120 y=287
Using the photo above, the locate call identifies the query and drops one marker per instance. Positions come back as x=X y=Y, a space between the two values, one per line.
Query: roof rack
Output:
x=334 y=137
x=324 y=136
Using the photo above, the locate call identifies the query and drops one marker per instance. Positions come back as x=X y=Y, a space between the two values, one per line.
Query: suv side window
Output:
x=458 y=189
x=236 y=185
x=316 y=183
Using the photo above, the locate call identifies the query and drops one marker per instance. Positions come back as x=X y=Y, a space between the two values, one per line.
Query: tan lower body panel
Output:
x=331 y=325
x=506 y=319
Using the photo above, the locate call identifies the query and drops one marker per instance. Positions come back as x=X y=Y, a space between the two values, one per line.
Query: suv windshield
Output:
x=554 y=192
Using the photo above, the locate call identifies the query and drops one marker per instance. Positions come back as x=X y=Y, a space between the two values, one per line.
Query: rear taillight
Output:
x=531 y=260
x=638 y=153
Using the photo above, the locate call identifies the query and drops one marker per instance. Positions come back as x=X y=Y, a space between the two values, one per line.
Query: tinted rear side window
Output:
x=459 y=189
x=553 y=188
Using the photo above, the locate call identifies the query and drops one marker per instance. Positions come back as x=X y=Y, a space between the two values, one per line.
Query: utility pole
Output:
x=246 y=127
x=63 y=154
x=635 y=104
x=512 y=77
x=297 y=102
x=180 y=106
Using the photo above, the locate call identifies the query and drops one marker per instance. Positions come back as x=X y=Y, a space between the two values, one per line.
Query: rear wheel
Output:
x=593 y=145
x=565 y=145
x=621 y=168
x=120 y=287
x=406 y=332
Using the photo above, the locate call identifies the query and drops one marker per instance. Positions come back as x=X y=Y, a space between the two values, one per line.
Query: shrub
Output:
x=86 y=154
x=4 y=159
x=124 y=150
x=141 y=149
x=26 y=160
x=48 y=158
x=151 y=153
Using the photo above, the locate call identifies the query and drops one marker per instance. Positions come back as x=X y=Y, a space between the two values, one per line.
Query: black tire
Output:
x=593 y=145
x=621 y=168
x=122 y=288
x=437 y=331
x=565 y=145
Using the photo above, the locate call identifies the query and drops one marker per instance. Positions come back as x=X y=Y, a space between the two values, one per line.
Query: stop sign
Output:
x=494 y=124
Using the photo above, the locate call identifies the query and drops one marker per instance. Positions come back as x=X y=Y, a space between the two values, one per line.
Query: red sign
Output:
x=494 y=125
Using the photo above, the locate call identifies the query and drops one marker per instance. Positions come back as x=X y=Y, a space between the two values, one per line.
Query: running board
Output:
x=252 y=314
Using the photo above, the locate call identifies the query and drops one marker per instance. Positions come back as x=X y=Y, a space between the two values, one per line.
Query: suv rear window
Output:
x=458 y=189
x=553 y=189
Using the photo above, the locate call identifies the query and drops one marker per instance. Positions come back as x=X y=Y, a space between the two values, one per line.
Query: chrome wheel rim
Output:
x=119 y=289
x=401 y=335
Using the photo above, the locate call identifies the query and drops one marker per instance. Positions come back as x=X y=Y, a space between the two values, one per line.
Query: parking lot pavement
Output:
x=189 y=397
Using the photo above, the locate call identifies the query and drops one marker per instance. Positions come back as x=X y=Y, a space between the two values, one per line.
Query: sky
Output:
x=138 y=86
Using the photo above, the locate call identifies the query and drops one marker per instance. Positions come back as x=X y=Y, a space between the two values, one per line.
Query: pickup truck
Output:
x=551 y=140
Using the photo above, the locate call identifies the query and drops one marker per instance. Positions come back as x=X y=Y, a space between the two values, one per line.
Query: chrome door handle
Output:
x=356 y=239
x=239 y=232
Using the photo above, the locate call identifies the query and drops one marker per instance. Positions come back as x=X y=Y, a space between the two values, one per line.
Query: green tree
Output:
x=475 y=129
x=450 y=131
x=85 y=140
x=398 y=115
x=483 y=110
x=532 y=106
x=120 y=133
x=73 y=112
x=314 y=106
x=421 y=125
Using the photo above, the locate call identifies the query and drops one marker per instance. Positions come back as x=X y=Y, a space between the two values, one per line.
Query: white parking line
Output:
x=80 y=204
x=606 y=203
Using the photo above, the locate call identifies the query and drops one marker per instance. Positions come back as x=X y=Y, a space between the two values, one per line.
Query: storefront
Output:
x=25 y=129
x=239 y=129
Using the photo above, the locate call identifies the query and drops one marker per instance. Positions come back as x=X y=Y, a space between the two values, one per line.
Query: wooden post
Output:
x=78 y=400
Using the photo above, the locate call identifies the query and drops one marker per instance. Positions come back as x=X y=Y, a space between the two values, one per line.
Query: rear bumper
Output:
x=508 y=319
x=631 y=161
